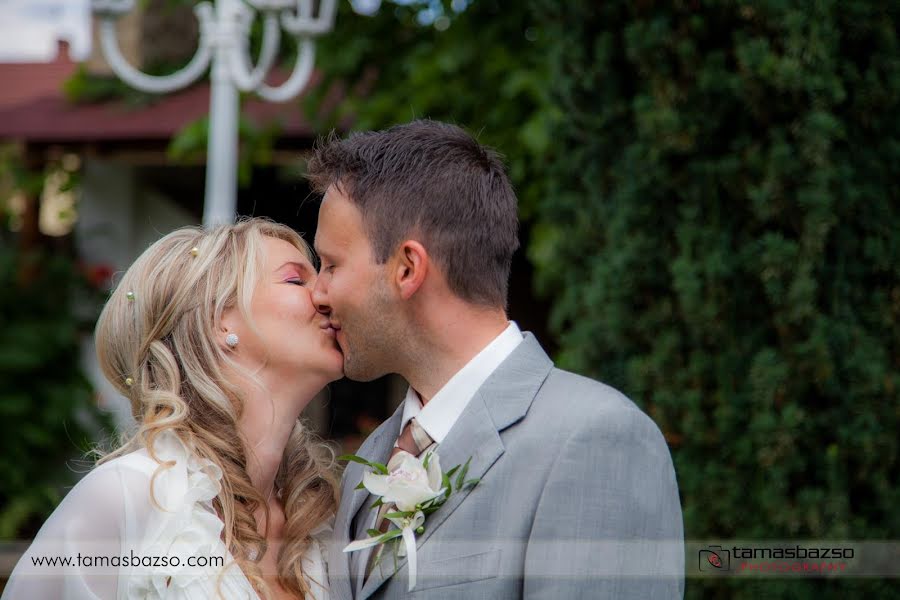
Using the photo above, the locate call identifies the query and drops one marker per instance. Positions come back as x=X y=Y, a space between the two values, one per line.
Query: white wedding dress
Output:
x=107 y=519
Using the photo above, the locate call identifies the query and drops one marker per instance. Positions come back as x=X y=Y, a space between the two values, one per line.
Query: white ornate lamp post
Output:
x=224 y=42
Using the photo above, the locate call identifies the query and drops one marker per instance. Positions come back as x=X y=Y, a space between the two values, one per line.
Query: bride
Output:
x=221 y=491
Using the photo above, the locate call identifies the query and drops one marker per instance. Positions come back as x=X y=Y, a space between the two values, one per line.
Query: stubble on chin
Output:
x=359 y=372
x=356 y=372
x=373 y=351
x=366 y=363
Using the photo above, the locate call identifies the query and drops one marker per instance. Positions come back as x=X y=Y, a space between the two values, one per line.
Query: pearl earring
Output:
x=232 y=340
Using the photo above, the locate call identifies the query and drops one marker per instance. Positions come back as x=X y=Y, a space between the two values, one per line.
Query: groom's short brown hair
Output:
x=434 y=182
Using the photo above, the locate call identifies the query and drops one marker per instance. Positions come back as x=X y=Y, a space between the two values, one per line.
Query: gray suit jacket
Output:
x=577 y=498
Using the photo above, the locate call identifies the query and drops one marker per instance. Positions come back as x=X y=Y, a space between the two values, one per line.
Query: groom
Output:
x=577 y=495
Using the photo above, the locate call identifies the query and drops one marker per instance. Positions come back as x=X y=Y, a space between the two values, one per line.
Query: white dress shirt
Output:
x=442 y=411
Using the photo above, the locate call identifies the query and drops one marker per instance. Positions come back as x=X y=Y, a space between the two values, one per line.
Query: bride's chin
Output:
x=338 y=372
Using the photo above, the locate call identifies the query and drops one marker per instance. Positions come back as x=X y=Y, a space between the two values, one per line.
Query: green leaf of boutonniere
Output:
x=399 y=515
x=462 y=474
x=448 y=487
x=393 y=533
x=380 y=468
x=452 y=471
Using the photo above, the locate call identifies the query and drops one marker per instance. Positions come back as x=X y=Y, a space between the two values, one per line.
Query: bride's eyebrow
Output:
x=301 y=267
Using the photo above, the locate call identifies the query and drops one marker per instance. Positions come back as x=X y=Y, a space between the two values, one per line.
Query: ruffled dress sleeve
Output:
x=182 y=534
x=107 y=539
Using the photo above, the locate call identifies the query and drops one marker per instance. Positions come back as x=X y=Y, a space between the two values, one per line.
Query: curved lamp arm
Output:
x=304 y=27
x=239 y=57
x=110 y=9
x=303 y=23
x=306 y=58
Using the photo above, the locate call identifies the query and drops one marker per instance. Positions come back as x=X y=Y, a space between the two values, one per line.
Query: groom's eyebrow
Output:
x=319 y=252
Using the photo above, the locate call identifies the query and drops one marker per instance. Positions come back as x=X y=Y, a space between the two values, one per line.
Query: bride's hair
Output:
x=157 y=344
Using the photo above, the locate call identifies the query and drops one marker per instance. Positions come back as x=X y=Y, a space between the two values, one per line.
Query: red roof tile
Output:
x=20 y=82
x=54 y=119
x=33 y=108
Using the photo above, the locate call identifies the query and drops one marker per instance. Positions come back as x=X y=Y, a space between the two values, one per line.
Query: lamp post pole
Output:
x=220 y=203
x=224 y=45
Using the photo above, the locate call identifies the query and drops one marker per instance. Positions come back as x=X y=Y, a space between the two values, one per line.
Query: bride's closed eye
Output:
x=294 y=273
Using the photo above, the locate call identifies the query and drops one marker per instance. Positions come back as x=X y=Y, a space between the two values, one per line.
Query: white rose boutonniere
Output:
x=415 y=489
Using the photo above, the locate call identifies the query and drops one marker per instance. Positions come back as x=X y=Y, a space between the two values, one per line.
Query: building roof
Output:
x=22 y=82
x=34 y=109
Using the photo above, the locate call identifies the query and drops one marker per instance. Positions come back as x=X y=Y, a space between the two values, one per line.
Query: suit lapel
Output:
x=338 y=562
x=503 y=400
x=375 y=448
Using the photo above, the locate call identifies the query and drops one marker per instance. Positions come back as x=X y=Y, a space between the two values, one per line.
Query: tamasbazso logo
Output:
x=714 y=559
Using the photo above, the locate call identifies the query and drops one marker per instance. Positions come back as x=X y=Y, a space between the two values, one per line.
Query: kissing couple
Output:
x=498 y=476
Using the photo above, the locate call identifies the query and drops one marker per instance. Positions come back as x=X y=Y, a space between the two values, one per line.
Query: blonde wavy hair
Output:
x=163 y=340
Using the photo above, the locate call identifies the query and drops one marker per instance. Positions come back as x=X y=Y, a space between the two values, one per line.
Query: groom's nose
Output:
x=320 y=296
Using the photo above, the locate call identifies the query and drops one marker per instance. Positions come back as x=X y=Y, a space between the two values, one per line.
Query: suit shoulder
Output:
x=579 y=402
x=580 y=392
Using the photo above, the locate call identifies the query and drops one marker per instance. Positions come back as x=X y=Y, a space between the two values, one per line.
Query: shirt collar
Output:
x=442 y=411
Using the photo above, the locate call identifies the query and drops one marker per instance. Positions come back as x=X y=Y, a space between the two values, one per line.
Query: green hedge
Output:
x=48 y=415
x=724 y=245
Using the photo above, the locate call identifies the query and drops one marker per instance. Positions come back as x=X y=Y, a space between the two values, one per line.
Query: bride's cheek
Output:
x=309 y=304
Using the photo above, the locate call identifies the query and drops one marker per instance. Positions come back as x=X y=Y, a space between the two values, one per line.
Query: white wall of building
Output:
x=117 y=220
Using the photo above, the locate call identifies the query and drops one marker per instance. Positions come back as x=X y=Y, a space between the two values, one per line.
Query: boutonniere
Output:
x=414 y=490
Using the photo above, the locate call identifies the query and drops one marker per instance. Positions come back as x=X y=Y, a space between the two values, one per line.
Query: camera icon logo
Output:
x=714 y=559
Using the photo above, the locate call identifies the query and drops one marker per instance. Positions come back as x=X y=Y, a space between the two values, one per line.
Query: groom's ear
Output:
x=410 y=268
